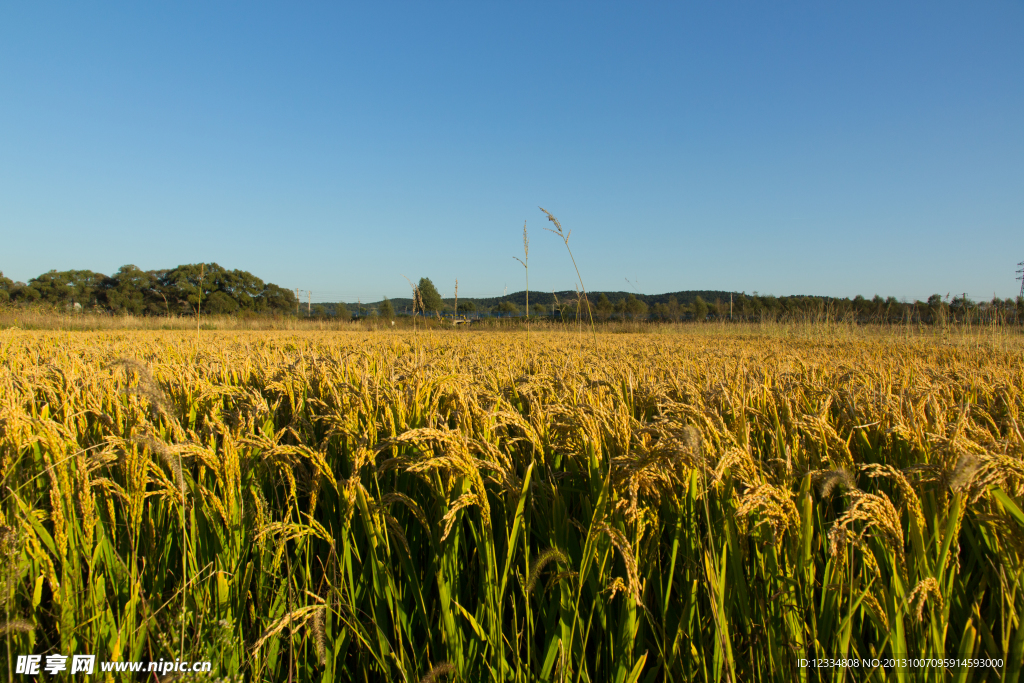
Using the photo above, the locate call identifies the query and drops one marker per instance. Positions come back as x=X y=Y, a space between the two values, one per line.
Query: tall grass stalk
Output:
x=564 y=236
x=525 y=261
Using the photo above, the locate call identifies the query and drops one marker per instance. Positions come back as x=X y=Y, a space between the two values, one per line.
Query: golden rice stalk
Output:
x=871 y=602
x=621 y=544
x=171 y=456
x=925 y=588
x=463 y=501
x=297 y=617
x=907 y=492
x=870 y=511
x=774 y=505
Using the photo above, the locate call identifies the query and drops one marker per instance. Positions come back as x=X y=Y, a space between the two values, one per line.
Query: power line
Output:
x=298 y=300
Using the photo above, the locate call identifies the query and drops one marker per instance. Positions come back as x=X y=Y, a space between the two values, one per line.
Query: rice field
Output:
x=387 y=506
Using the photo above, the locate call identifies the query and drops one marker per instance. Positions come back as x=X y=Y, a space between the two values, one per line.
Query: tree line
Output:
x=743 y=307
x=701 y=306
x=177 y=291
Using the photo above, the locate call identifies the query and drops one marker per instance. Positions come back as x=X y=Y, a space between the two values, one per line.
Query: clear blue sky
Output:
x=789 y=148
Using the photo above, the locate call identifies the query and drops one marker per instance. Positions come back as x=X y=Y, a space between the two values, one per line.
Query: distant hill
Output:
x=548 y=298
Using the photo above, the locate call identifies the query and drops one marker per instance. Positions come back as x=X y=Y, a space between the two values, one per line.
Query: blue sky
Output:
x=787 y=148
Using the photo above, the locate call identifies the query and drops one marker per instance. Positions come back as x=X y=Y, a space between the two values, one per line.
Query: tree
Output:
x=540 y=310
x=6 y=285
x=467 y=307
x=182 y=285
x=341 y=310
x=604 y=306
x=636 y=308
x=859 y=305
x=505 y=308
x=277 y=299
x=577 y=310
x=23 y=293
x=386 y=310
x=620 y=307
x=242 y=286
x=429 y=296
x=673 y=309
x=700 y=309
x=68 y=287
x=219 y=303
x=742 y=303
x=127 y=291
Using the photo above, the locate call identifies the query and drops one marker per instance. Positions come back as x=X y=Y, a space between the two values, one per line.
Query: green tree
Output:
x=673 y=309
x=721 y=308
x=467 y=306
x=242 y=286
x=386 y=309
x=219 y=303
x=635 y=308
x=129 y=290
x=341 y=310
x=506 y=308
x=604 y=306
x=68 y=287
x=742 y=306
x=276 y=299
x=23 y=293
x=429 y=295
x=700 y=309
x=620 y=307
x=576 y=310
x=860 y=305
x=182 y=285
x=540 y=310
x=6 y=285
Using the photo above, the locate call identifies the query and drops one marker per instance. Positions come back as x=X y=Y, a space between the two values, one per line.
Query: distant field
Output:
x=708 y=503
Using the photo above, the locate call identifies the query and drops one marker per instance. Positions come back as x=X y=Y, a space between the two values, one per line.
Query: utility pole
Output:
x=297 y=301
x=1021 y=277
x=730 y=305
x=309 y=303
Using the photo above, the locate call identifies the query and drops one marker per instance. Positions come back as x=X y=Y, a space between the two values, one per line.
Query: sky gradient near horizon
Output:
x=788 y=148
